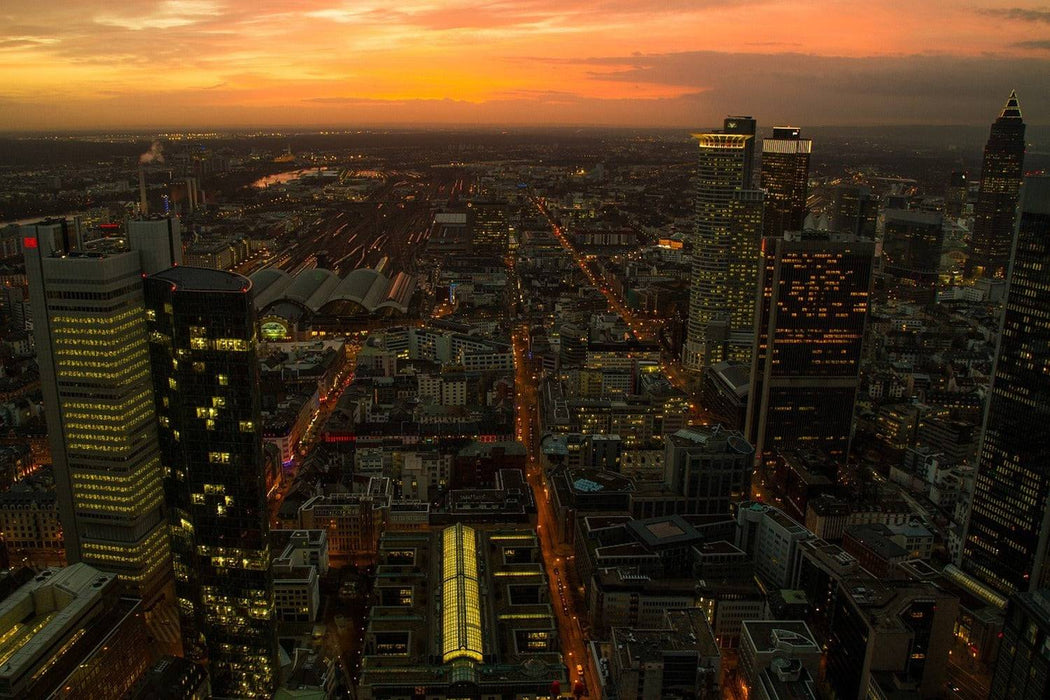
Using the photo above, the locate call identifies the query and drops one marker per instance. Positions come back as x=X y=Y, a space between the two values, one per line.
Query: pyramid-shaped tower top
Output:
x=1012 y=110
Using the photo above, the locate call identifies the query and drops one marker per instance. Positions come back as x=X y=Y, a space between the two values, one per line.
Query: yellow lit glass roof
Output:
x=461 y=605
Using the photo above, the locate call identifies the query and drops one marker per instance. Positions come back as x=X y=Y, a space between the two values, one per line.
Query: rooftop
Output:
x=202 y=279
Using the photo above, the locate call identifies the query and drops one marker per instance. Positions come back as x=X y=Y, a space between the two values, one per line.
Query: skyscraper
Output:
x=90 y=328
x=1009 y=526
x=725 y=249
x=956 y=195
x=785 y=179
x=206 y=382
x=809 y=330
x=1022 y=668
x=855 y=210
x=911 y=252
x=1001 y=173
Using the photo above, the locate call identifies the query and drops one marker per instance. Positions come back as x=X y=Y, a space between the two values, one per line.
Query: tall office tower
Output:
x=1009 y=526
x=90 y=329
x=489 y=225
x=1022 y=668
x=206 y=383
x=785 y=179
x=995 y=212
x=911 y=253
x=725 y=249
x=854 y=210
x=809 y=330
x=957 y=194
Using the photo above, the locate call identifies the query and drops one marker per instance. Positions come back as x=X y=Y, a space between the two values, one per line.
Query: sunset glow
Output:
x=619 y=62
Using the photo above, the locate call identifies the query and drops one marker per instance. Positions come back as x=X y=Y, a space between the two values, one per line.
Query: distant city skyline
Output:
x=206 y=63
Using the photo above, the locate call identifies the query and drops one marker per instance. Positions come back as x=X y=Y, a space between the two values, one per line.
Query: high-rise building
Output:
x=91 y=339
x=957 y=194
x=911 y=253
x=854 y=209
x=725 y=250
x=785 y=179
x=809 y=329
x=995 y=211
x=1009 y=529
x=489 y=225
x=1022 y=668
x=203 y=349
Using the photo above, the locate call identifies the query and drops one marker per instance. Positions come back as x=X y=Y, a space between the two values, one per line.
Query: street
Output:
x=556 y=557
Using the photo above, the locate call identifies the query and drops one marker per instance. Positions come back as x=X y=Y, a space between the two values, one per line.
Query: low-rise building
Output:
x=764 y=642
x=461 y=612
x=678 y=659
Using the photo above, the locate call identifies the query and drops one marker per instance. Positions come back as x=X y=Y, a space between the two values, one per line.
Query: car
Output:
x=579 y=669
x=555 y=571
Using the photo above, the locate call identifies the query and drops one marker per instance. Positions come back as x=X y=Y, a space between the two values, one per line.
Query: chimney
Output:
x=143 y=205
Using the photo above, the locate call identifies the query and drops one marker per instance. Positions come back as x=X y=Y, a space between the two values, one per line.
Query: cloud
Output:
x=1019 y=14
x=841 y=90
x=636 y=62
x=22 y=42
x=166 y=15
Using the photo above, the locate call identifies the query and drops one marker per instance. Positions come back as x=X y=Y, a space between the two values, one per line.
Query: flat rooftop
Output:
x=202 y=279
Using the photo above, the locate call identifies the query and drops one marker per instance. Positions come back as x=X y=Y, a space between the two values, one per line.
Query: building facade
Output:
x=1022 y=668
x=92 y=350
x=728 y=233
x=1009 y=527
x=809 y=331
x=995 y=211
x=785 y=179
x=203 y=348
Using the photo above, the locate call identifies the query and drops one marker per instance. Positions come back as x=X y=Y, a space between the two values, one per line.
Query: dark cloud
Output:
x=1019 y=14
x=913 y=89
x=1035 y=44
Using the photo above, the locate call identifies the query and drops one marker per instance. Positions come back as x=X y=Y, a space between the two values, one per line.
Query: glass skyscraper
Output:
x=995 y=211
x=90 y=328
x=1009 y=526
x=202 y=342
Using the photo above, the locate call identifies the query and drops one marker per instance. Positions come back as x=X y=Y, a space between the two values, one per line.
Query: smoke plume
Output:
x=155 y=154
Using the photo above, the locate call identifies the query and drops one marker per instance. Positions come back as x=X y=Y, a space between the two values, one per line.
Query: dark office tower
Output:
x=1022 y=669
x=1009 y=528
x=725 y=248
x=785 y=179
x=854 y=210
x=490 y=226
x=206 y=383
x=956 y=196
x=911 y=253
x=995 y=212
x=90 y=328
x=809 y=328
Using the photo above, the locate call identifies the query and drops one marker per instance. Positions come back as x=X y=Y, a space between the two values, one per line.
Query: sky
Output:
x=181 y=64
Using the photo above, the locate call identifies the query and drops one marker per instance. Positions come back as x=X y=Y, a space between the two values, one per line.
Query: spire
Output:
x=1012 y=110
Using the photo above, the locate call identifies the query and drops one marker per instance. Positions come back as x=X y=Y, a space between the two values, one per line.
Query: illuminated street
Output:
x=556 y=556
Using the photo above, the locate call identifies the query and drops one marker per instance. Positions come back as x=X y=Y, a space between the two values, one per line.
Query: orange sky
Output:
x=198 y=63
